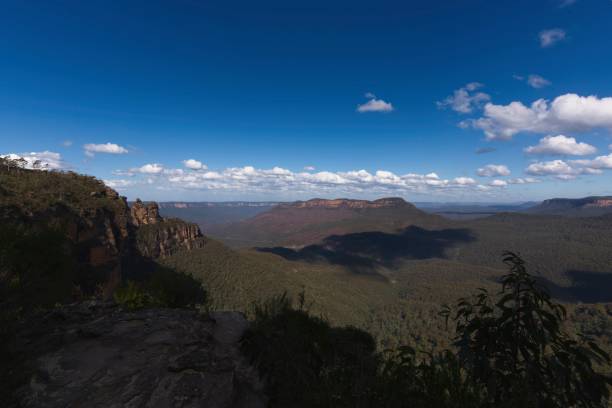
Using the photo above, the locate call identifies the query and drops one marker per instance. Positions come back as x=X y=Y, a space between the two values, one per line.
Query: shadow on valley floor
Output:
x=587 y=287
x=361 y=252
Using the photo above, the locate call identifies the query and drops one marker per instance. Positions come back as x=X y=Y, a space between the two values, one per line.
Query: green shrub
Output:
x=37 y=267
x=305 y=362
x=176 y=289
x=515 y=346
x=132 y=296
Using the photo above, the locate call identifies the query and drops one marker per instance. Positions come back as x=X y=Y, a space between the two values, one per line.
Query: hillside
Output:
x=307 y=222
x=574 y=207
x=69 y=235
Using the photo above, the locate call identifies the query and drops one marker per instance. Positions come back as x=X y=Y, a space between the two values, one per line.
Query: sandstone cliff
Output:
x=101 y=230
x=145 y=214
x=159 y=237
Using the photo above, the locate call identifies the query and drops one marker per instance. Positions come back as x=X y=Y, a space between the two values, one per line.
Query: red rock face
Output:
x=145 y=214
x=602 y=203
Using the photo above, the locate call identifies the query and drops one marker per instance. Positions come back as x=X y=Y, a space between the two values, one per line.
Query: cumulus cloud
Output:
x=548 y=38
x=465 y=99
x=374 y=105
x=561 y=145
x=553 y=167
x=45 y=160
x=194 y=164
x=598 y=163
x=309 y=168
x=493 y=170
x=566 y=113
x=308 y=183
x=464 y=181
x=536 y=81
x=110 y=148
x=533 y=80
x=523 y=180
x=569 y=170
x=498 y=183
x=151 y=168
x=119 y=184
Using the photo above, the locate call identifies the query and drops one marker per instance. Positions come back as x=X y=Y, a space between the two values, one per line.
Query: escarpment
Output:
x=103 y=234
x=159 y=237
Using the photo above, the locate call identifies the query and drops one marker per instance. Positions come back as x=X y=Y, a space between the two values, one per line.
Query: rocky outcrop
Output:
x=145 y=214
x=600 y=203
x=574 y=207
x=97 y=355
x=392 y=202
x=167 y=237
x=159 y=237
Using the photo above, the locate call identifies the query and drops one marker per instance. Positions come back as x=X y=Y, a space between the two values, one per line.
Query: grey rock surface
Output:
x=98 y=355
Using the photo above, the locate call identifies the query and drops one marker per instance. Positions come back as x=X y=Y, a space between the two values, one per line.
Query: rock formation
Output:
x=145 y=214
x=168 y=236
x=98 y=355
x=159 y=237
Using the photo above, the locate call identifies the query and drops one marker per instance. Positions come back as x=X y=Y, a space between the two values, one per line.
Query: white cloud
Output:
x=374 y=105
x=558 y=168
x=533 y=80
x=119 y=184
x=561 y=145
x=610 y=147
x=45 y=160
x=464 y=181
x=498 y=183
x=493 y=170
x=194 y=164
x=566 y=113
x=548 y=38
x=67 y=143
x=523 y=180
x=300 y=183
x=536 y=81
x=465 y=100
x=600 y=162
x=309 y=168
x=109 y=148
x=152 y=168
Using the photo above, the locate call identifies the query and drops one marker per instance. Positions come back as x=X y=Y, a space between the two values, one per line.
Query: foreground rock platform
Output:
x=98 y=355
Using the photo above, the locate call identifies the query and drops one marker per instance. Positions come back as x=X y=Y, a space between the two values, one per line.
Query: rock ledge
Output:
x=98 y=355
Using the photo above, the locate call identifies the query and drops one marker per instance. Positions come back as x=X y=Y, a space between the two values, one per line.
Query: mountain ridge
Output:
x=574 y=207
x=308 y=222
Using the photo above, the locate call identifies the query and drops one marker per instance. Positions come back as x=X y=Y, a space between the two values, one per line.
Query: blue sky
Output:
x=264 y=97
